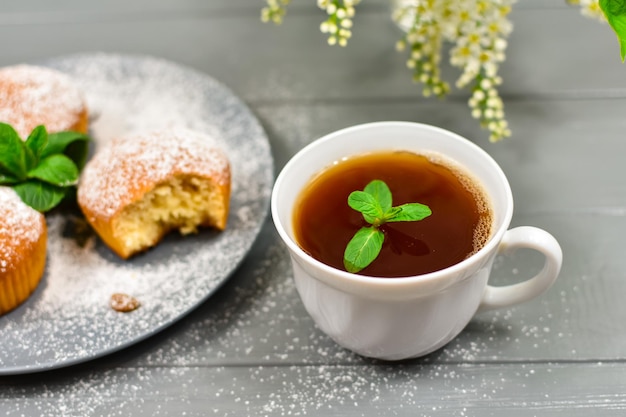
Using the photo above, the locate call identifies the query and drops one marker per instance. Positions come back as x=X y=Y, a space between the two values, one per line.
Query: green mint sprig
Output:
x=615 y=12
x=44 y=169
x=375 y=203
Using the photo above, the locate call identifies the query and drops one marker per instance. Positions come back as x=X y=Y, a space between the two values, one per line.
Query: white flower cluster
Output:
x=478 y=29
x=274 y=11
x=338 y=26
x=589 y=8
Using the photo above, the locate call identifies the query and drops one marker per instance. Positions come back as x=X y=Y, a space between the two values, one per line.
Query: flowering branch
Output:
x=274 y=11
x=339 y=22
x=477 y=28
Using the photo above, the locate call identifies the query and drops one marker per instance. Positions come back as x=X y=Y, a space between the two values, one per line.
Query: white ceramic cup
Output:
x=398 y=318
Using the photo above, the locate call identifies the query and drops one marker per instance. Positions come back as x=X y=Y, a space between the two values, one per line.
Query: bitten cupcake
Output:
x=139 y=187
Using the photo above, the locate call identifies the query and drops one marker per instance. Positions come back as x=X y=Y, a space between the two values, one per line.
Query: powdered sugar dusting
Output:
x=68 y=319
x=136 y=162
x=20 y=226
x=31 y=95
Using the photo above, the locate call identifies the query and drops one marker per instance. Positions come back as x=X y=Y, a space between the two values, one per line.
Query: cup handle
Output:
x=525 y=237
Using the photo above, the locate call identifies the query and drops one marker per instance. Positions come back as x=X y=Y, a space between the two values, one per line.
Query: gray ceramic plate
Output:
x=68 y=319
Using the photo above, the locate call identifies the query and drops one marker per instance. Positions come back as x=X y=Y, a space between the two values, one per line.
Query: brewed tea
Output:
x=459 y=226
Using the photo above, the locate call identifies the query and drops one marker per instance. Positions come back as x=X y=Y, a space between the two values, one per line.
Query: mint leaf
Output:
x=410 y=212
x=7 y=179
x=56 y=169
x=39 y=195
x=363 y=248
x=374 y=202
x=380 y=191
x=73 y=144
x=367 y=204
x=12 y=153
x=37 y=140
x=44 y=169
x=30 y=160
x=391 y=213
x=615 y=12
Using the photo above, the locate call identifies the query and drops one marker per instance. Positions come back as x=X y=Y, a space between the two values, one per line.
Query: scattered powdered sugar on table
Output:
x=68 y=318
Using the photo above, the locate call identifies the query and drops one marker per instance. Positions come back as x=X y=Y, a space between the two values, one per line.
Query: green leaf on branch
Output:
x=375 y=203
x=615 y=13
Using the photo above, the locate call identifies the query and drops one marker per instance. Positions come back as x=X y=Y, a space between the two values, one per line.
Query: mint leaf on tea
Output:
x=363 y=248
x=367 y=204
x=380 y=191
x=410 y=212
x=375 y=203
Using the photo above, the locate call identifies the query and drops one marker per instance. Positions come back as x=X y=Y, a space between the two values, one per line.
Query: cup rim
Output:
x=353 y=278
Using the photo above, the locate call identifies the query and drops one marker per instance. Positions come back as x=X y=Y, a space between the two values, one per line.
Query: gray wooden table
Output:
x=251 y=349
